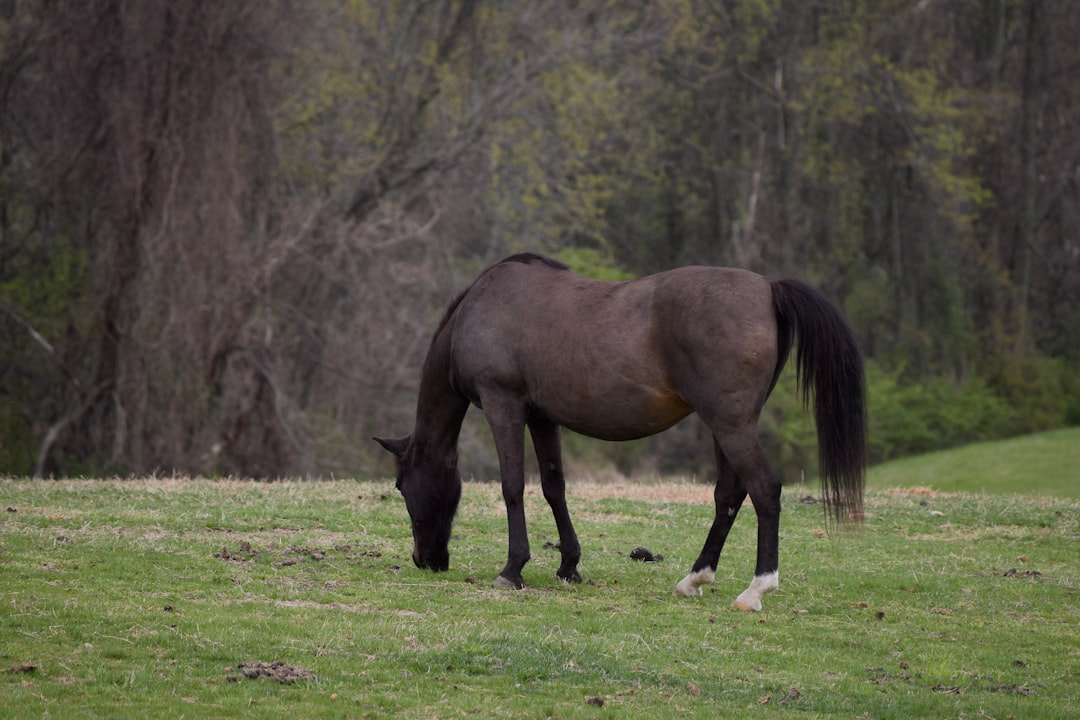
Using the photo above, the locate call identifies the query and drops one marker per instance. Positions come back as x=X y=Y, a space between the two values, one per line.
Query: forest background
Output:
x=227 y=229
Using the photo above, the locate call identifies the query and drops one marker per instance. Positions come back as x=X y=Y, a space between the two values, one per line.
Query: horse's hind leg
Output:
x=545 y=436
x=745 y=454
x=728 y=496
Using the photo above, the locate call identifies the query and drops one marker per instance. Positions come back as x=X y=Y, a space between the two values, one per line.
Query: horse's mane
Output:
x=525 y=258
x=528 y=257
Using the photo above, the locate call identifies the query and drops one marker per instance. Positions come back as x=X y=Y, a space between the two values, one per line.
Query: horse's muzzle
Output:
x=437 y=562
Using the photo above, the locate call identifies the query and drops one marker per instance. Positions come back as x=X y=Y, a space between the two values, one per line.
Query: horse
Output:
x=534 y=345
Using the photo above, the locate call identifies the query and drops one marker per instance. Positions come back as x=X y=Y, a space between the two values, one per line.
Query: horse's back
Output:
x=527 y=293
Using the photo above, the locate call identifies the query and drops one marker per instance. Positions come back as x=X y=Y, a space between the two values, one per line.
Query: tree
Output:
x=226 y=230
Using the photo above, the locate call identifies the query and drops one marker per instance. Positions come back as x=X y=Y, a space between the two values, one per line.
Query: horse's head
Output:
x=432 y=489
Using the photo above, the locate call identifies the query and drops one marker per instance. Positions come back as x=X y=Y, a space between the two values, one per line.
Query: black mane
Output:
x=530 y=257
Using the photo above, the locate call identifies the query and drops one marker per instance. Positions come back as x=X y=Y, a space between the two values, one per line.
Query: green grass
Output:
x=1047 y=464
x=113 y=604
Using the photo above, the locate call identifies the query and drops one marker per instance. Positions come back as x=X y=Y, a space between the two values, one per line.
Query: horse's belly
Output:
x=615 y=416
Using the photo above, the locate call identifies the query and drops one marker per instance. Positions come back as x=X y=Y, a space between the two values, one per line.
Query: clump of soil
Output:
x=643 y=554
x=244 y=554
x=24 y=668
x=276 y=671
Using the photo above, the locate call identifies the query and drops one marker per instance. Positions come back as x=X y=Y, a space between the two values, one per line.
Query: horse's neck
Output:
x=440 y=408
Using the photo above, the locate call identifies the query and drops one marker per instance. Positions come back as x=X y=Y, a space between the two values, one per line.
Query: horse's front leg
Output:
x=507 y=420
x=545 y=436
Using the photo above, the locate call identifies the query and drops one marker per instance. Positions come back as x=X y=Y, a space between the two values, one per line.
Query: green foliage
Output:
x=591 y=263
x=932 y=413
x=562 y=155
x=1036 y=390
x=1071 y=385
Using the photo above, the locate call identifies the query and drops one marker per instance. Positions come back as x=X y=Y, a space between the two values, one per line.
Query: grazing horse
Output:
x=534 y=345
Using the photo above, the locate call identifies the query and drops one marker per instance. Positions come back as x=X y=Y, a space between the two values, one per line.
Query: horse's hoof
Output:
x=692 y=592
x=505 y=582
x=685 y=589
x=750 y=598
x=690 y=586
x=574 y=578
x=746 y=606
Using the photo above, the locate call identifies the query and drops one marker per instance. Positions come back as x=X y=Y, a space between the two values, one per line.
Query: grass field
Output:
x=140 y=598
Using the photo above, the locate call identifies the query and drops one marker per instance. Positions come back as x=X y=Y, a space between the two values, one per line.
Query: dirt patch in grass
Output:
x=276 y=671
x=20 y=669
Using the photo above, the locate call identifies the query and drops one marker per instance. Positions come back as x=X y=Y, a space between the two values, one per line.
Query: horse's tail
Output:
x=828 y=363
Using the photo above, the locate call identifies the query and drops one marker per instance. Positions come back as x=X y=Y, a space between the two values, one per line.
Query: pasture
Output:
x=140 y=598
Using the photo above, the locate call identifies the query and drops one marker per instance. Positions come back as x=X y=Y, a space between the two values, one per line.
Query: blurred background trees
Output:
x=228 y=229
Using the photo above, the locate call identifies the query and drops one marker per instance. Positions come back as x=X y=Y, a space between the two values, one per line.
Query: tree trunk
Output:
x=1031 y=102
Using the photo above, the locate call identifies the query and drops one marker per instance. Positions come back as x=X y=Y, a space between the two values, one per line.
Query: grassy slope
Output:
x=113 y=593
x=1047 y=464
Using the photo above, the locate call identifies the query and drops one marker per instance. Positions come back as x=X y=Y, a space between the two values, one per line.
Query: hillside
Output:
x=1044 y=464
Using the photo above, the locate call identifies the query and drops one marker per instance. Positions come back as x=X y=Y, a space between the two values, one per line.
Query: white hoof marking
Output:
x=750 y=599
x=690 y=586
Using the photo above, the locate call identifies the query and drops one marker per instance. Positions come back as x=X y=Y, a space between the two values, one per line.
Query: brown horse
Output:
x=534 y=345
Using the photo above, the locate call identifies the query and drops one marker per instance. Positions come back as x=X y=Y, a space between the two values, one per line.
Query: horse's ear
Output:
x=396 y=446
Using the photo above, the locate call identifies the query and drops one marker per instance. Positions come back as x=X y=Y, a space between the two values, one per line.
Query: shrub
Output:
x=934 y=413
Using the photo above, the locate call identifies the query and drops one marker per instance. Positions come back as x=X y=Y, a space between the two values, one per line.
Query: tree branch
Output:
x=57 y=427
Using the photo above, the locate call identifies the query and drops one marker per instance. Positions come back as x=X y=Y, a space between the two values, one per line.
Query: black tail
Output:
x=828 y=364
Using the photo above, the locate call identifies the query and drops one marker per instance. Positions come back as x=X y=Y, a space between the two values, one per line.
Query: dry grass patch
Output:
x=649 y=492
